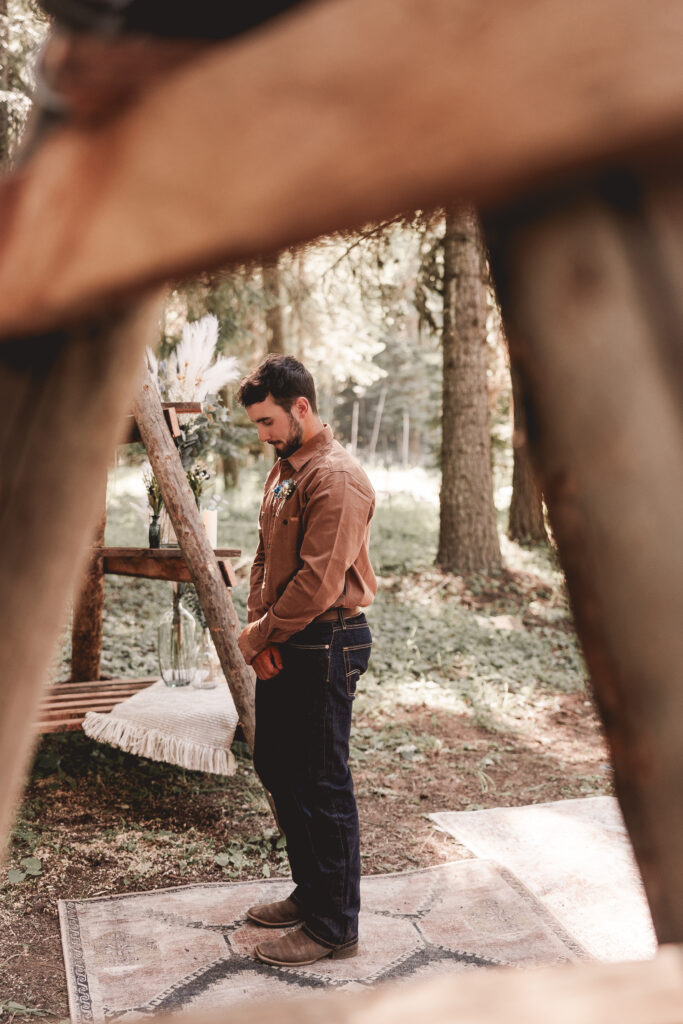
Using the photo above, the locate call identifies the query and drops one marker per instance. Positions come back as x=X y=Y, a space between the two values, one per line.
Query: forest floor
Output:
x=476 y=697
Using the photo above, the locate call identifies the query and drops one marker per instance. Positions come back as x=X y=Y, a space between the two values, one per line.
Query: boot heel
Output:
x=343 y=954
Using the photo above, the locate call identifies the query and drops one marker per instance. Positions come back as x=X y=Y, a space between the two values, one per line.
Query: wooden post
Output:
x=406 y=438
x=590 y=286
x=214 y=596
x=354 y=428
x=64 y=397
x=378 y=420
x=86 y=632
x=577 y=993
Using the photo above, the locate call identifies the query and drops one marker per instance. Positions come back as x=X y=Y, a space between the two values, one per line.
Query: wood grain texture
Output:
x=64 y=709
x=214 y=596
x=339 y=113
x=593 y=325
x=633 y=993
x=86 y=631
x=48 y=506
x=158 y=564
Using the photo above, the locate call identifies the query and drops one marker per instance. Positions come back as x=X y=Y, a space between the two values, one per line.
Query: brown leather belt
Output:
x=333 y=614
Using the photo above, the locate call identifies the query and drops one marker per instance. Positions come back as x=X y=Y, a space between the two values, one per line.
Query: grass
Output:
x=474 y=697
x=489 y=644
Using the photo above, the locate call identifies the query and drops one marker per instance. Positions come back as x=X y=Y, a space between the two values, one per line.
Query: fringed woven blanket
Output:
x=184 y=726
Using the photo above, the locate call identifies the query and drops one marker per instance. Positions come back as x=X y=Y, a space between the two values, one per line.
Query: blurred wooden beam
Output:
x=363 y=107
x=591 y=286
x=633 y=993
x=64 y=398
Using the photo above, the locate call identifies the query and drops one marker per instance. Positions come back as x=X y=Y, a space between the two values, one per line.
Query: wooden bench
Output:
x=64 y=705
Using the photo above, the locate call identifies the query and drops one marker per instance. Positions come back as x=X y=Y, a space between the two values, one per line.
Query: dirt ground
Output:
x=100 y=821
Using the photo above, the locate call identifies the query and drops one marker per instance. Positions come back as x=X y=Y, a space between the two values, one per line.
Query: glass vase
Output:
x=154 y=532
x=209 y=672
x=168 y=534
x=178 y=645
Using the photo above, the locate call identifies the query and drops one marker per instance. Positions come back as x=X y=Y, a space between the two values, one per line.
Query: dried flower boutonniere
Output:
x=285 y=489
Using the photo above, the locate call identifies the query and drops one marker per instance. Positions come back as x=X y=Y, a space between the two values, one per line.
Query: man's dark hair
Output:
x=283 y=378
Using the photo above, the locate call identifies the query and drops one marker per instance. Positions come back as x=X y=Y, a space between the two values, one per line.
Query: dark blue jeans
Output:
x=303 y=721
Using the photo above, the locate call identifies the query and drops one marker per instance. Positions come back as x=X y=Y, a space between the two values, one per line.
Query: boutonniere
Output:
x=285 y=489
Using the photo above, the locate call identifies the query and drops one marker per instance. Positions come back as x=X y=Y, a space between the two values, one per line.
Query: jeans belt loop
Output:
x=342 y=623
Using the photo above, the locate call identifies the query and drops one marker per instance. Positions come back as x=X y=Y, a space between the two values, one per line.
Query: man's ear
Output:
x=302 y=406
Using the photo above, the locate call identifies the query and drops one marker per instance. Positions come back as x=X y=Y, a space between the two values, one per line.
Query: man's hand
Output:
x=249 y=642
x=268 y=663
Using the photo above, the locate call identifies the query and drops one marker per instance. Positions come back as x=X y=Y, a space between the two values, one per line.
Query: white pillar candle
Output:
x=210 y=519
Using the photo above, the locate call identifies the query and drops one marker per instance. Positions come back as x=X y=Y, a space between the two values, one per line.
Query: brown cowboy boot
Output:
x=275 y=915
x=297 y=949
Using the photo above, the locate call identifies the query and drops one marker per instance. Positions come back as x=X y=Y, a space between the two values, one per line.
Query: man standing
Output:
x=308 y=642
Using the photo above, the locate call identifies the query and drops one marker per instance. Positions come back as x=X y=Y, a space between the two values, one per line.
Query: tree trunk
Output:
x=526 y=522
x=214 y=596
x=86 y=633
x=468 y=537
x=590 y=285
x=230 y=468
x=275 y=335
x=378 y=422
x=405 y=447
x=354 y=428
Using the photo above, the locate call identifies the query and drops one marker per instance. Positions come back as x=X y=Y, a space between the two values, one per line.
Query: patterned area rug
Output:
x=138 y=954
x=575 y=856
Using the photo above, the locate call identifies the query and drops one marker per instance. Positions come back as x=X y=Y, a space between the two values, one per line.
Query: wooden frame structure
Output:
x=582 y=210
x=65 y=705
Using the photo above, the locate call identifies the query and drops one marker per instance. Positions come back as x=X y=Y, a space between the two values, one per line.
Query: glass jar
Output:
x=209 y=672
x=168 y=534
x=178 y=645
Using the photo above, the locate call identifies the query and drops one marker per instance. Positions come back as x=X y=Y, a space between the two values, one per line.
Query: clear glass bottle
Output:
x=209 y=672
x=178 y=645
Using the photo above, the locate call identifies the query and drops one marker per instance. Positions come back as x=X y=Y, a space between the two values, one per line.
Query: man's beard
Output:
x=293 y=441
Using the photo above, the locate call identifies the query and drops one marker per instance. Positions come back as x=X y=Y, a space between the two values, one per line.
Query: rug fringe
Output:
x=158 y=746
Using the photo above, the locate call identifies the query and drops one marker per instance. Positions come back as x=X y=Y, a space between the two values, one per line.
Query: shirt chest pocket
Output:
x=288 y=533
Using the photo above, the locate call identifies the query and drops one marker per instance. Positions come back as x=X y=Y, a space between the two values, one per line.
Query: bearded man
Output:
x=309 y=642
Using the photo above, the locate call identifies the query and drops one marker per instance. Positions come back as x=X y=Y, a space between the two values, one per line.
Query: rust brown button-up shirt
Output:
x=312 y=553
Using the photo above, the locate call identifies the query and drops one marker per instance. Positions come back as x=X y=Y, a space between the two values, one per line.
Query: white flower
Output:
x=190 y=374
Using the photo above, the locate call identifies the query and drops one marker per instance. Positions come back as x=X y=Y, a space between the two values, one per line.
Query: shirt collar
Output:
x=304 y=454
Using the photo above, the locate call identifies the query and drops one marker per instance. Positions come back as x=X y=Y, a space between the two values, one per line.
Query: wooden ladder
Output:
x=65 y=704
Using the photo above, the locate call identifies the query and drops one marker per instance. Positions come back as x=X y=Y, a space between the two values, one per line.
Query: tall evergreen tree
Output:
x=468 y=537
x=275 y=335
x=526 y=522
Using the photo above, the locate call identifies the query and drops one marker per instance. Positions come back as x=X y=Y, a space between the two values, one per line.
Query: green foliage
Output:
x=403 y=537
x=484 y=645
x=154 y=496
x=22 y=30
x=252 y=854
x=30 y=867
x=18 y=1009
x=214 y=432
x=497 y=650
